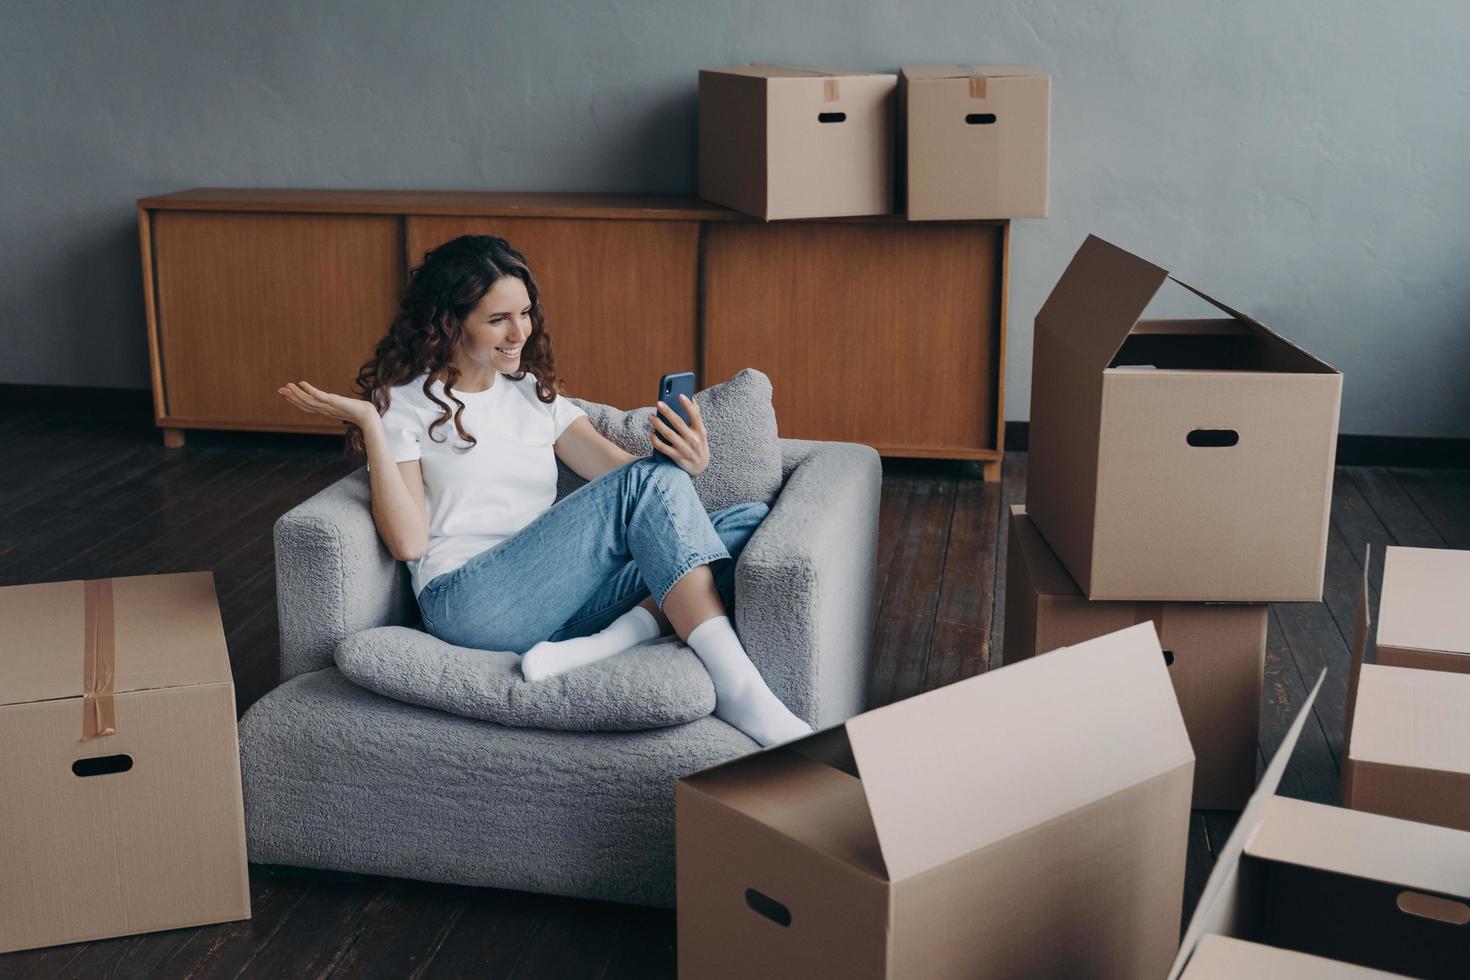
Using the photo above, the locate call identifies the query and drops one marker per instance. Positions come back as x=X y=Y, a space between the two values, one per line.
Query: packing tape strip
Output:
x=98 y=660
x=977 y=86
x=829 y=90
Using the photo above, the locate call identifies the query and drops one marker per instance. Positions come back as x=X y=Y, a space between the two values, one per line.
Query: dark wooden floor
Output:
x=86 y=496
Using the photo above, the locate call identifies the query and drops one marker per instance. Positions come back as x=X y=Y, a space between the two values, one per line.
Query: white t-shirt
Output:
x=480 y=497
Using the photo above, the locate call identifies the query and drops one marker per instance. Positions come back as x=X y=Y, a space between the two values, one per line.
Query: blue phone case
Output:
x=670 y=387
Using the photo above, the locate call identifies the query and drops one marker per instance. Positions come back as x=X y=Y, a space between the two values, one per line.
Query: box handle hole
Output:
x=1445 y=910
x=101 y=765
x=1213 y=437
x=980 y=118
x=1168 y=658
x=831 y=117
x=768 y=907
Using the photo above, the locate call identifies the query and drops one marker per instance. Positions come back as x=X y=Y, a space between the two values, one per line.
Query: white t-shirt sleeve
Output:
x=563 y=413
x=403 y=426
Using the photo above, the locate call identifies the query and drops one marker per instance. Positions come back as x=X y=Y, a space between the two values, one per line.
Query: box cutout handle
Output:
x=1168 y=658
x=768 y=907
x=980 y=118
x=101 y=765
x=1445 y=910
x=831 y=117
x=1212 y=437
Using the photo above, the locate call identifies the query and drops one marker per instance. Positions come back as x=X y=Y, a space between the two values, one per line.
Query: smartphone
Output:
x=670 y=387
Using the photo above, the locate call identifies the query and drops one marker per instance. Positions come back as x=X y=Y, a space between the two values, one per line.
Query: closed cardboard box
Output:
x=1030 y=821
x=1176 y=459
x=1358 y=888
x=976 y=141
x=1215 y=652
x=1408 y=728
x=1424 y=609
x=121 y=807
x=780 y=142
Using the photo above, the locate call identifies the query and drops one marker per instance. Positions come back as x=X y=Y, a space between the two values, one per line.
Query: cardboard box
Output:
x=1216 y=655
x=1424 y=609
x=797 y=142
x=976 y=141
x=121 y=807
x=1176 y=459
x=1407 y=732
x=1031 y=821
x=1354 y=887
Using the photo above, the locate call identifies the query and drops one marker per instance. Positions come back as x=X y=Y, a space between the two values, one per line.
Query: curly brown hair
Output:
x=429 y=325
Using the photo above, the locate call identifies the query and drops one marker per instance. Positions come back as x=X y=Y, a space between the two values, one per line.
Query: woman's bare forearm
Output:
x=397 y=512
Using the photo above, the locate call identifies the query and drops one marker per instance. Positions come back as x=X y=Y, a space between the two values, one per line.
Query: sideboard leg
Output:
x=991 y=471
x=173 y=438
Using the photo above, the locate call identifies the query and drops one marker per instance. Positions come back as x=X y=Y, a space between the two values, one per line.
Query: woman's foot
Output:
x=742 y=698
x=547 y=659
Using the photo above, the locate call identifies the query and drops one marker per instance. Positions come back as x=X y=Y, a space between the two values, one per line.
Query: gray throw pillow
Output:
x=745 y=452
x=652 y=685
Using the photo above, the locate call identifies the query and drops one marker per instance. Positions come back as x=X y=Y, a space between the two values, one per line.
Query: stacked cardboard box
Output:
x=955 y=142
x=1175 y=465
x=1302 y=890
x=1408 y=715
x=120 y=802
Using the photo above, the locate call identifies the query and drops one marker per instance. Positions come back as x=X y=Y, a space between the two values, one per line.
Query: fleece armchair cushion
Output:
x=654 y=684
x=745 y=452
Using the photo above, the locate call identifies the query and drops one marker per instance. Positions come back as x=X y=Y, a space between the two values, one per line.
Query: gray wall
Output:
x=1309 y=162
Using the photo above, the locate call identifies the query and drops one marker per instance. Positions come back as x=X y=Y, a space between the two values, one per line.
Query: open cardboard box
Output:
x=976 y=141
x=1408 y=727
x=120 y=802
x=1424 y=609
x=780 y=142
x=1031 y=821
x=1215 y=652
x=1176 y=459
x=1340 y=884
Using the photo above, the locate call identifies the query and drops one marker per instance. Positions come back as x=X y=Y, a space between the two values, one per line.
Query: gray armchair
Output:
x=340 y=778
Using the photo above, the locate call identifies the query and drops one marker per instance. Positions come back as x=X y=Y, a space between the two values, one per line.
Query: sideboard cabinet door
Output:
x=883 y=333
x=250 y=300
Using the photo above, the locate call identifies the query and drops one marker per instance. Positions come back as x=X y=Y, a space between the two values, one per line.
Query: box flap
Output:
x=1371 y=846
x=1423 y=603
x=1253 y=323
x=1098 y=299
x=1210 y=909
x=1048 y=576
x=165 y=632
x=1078 y=725
x=1419 y=719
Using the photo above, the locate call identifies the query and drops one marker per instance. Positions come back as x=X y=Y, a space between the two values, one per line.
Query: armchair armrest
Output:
x=804 y=583
x=334 y=575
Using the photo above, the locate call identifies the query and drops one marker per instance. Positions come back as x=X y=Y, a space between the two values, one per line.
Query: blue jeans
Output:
x=588 y=559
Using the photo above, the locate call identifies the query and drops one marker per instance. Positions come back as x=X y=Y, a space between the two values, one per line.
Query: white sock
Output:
x=546 y=658
x=742 y=698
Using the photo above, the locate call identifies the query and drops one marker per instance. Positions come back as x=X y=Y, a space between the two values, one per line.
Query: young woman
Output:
x=459 y=418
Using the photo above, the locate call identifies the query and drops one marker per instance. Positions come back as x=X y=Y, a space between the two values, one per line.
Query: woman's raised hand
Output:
x=358 y=411
x=686 y=443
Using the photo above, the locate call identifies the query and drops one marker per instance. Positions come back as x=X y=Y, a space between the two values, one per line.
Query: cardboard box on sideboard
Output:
x=121 y=808
x=1176 y=459
x=1407 y=729
x=778 y=142
x=1031 y=821
x=1215 y=652
x=974 y=141
x=1357 y=888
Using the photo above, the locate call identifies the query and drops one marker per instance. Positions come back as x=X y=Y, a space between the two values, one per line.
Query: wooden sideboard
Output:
x=875 y=330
